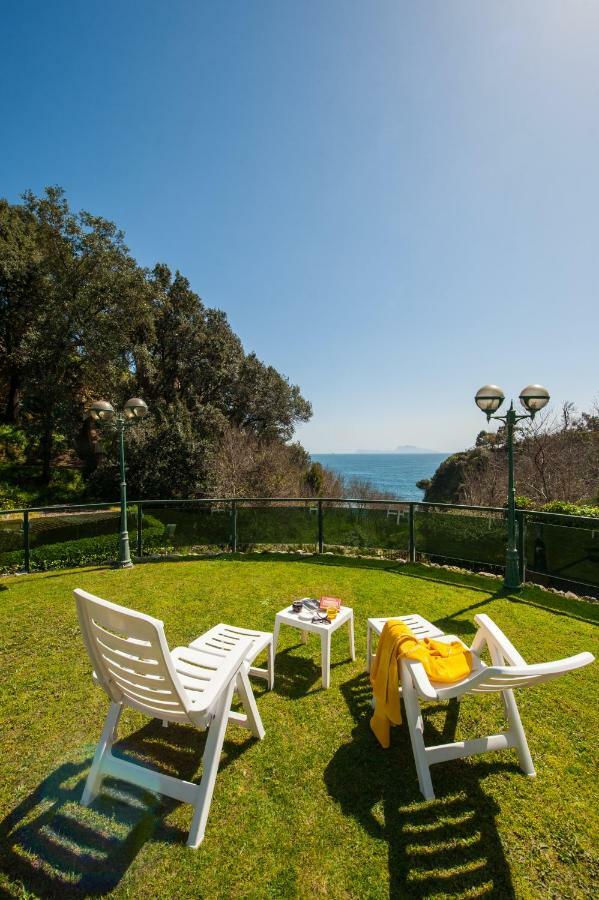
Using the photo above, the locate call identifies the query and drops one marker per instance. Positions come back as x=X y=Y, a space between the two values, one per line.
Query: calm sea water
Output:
x=393 y=472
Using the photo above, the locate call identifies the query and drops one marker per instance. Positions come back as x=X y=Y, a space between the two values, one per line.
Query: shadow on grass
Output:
x=580 y=610
x=54 y=847
x=296 y=675
x=104 y=567
x=447 y=846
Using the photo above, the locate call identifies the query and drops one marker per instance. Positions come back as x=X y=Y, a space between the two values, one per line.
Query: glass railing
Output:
x=562 y=549
x=554 y=549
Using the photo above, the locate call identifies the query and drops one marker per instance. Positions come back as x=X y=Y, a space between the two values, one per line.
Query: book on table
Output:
x=330 y=603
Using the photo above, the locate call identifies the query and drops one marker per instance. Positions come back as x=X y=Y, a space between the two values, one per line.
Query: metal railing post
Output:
x=140 y=525
x=521 y=544
x=234 y=535
x=412 y=535
x=26 y=547
x=320 y=528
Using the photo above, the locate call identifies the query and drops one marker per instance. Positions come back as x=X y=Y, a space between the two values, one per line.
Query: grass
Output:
x=317 y=808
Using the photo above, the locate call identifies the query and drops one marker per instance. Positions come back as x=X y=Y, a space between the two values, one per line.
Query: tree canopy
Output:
x=80 y=319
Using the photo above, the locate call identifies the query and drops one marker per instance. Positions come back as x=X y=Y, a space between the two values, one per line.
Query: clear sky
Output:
x=395 y=202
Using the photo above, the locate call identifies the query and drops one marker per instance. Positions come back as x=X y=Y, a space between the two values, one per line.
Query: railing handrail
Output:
x=58 y=508
x=65 y=507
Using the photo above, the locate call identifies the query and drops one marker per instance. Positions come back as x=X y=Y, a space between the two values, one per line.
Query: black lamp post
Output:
x=105 y=416
x=533 y=398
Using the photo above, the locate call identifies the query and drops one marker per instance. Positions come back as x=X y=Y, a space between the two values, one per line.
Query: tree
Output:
x=91 y=296
x=556 y=457
x=21 y=300
x=265 y=403
x=79 y=320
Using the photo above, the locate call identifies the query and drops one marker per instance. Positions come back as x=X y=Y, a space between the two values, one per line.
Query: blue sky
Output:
x=394 y=202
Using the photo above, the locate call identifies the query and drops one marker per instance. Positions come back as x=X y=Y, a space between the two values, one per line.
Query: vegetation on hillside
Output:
x=556 y=464
x=80 y=320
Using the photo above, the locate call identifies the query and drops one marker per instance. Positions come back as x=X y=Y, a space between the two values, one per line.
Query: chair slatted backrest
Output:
x=501 y=678
x=134 y=665
x=224 y=639
x=517 y=673
x=508 y=669
x=130 y=656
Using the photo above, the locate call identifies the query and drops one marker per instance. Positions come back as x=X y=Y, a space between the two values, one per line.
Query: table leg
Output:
x=368 y=647
x=325 y=648
x=304 y=637
x=352 y=648
x=275 y=636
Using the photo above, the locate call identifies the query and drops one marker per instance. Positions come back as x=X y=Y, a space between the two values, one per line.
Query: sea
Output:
x=395 y=473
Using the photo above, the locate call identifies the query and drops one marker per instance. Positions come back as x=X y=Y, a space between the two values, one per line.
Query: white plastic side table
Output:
x=345 y=616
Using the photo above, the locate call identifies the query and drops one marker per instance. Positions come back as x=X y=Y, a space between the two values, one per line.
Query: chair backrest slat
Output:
x=501 y=678
x=130 y=656
x=134 y=665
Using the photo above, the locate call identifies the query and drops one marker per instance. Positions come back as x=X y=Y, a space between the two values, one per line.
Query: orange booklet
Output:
x=330 y=602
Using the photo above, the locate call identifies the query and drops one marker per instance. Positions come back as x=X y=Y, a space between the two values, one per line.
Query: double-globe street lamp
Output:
x=103 y=413
x=533 y=398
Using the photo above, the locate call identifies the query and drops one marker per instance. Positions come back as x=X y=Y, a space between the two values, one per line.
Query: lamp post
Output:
x=533 y=398
x=103 y=413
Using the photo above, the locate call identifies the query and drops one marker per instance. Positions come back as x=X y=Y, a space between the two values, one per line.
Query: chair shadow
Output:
x=447 y=846
x=54 y=846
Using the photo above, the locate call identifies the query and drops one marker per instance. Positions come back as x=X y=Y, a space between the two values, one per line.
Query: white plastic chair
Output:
x=508 y=671
x=225 y=637
x=133 y=664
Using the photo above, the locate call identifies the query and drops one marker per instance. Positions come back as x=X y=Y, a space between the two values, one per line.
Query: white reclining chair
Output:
x=133 y=664
x=507 y=671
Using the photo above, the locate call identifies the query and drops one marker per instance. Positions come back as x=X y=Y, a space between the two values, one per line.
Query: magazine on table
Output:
x=330 y=603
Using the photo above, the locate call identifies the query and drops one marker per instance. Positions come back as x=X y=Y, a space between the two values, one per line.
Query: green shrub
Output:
x=10 y=538
x=560 y=507
x=571 y=509
x=68 y=554
x=13 y=444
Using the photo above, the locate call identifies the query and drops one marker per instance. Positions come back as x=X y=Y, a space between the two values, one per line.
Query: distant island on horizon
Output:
x=402 y=448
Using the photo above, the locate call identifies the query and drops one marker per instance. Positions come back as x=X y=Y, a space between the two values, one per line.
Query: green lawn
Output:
x=317 y=808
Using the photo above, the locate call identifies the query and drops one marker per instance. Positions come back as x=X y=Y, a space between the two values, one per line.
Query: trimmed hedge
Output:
x=81 y=552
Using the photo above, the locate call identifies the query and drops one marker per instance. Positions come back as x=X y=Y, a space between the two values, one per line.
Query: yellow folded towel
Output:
x=445 y=662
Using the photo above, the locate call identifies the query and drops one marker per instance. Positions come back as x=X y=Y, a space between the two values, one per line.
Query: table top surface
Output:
x=287 y=617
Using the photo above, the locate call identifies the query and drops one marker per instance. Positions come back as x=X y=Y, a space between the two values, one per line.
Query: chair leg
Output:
x=515 y=722
x=513 y=716
x=246 y=695
x=94 y=779
x=270 y=666
x=211 y=760
x=416 y=728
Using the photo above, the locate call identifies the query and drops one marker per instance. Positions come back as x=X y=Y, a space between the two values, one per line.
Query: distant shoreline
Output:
x=415 y=452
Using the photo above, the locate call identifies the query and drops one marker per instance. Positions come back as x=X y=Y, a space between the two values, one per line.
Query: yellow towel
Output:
x=445 y=662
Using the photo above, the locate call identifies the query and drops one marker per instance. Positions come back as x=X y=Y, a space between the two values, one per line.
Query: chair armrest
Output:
x=420 y=679
x=488 y=630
